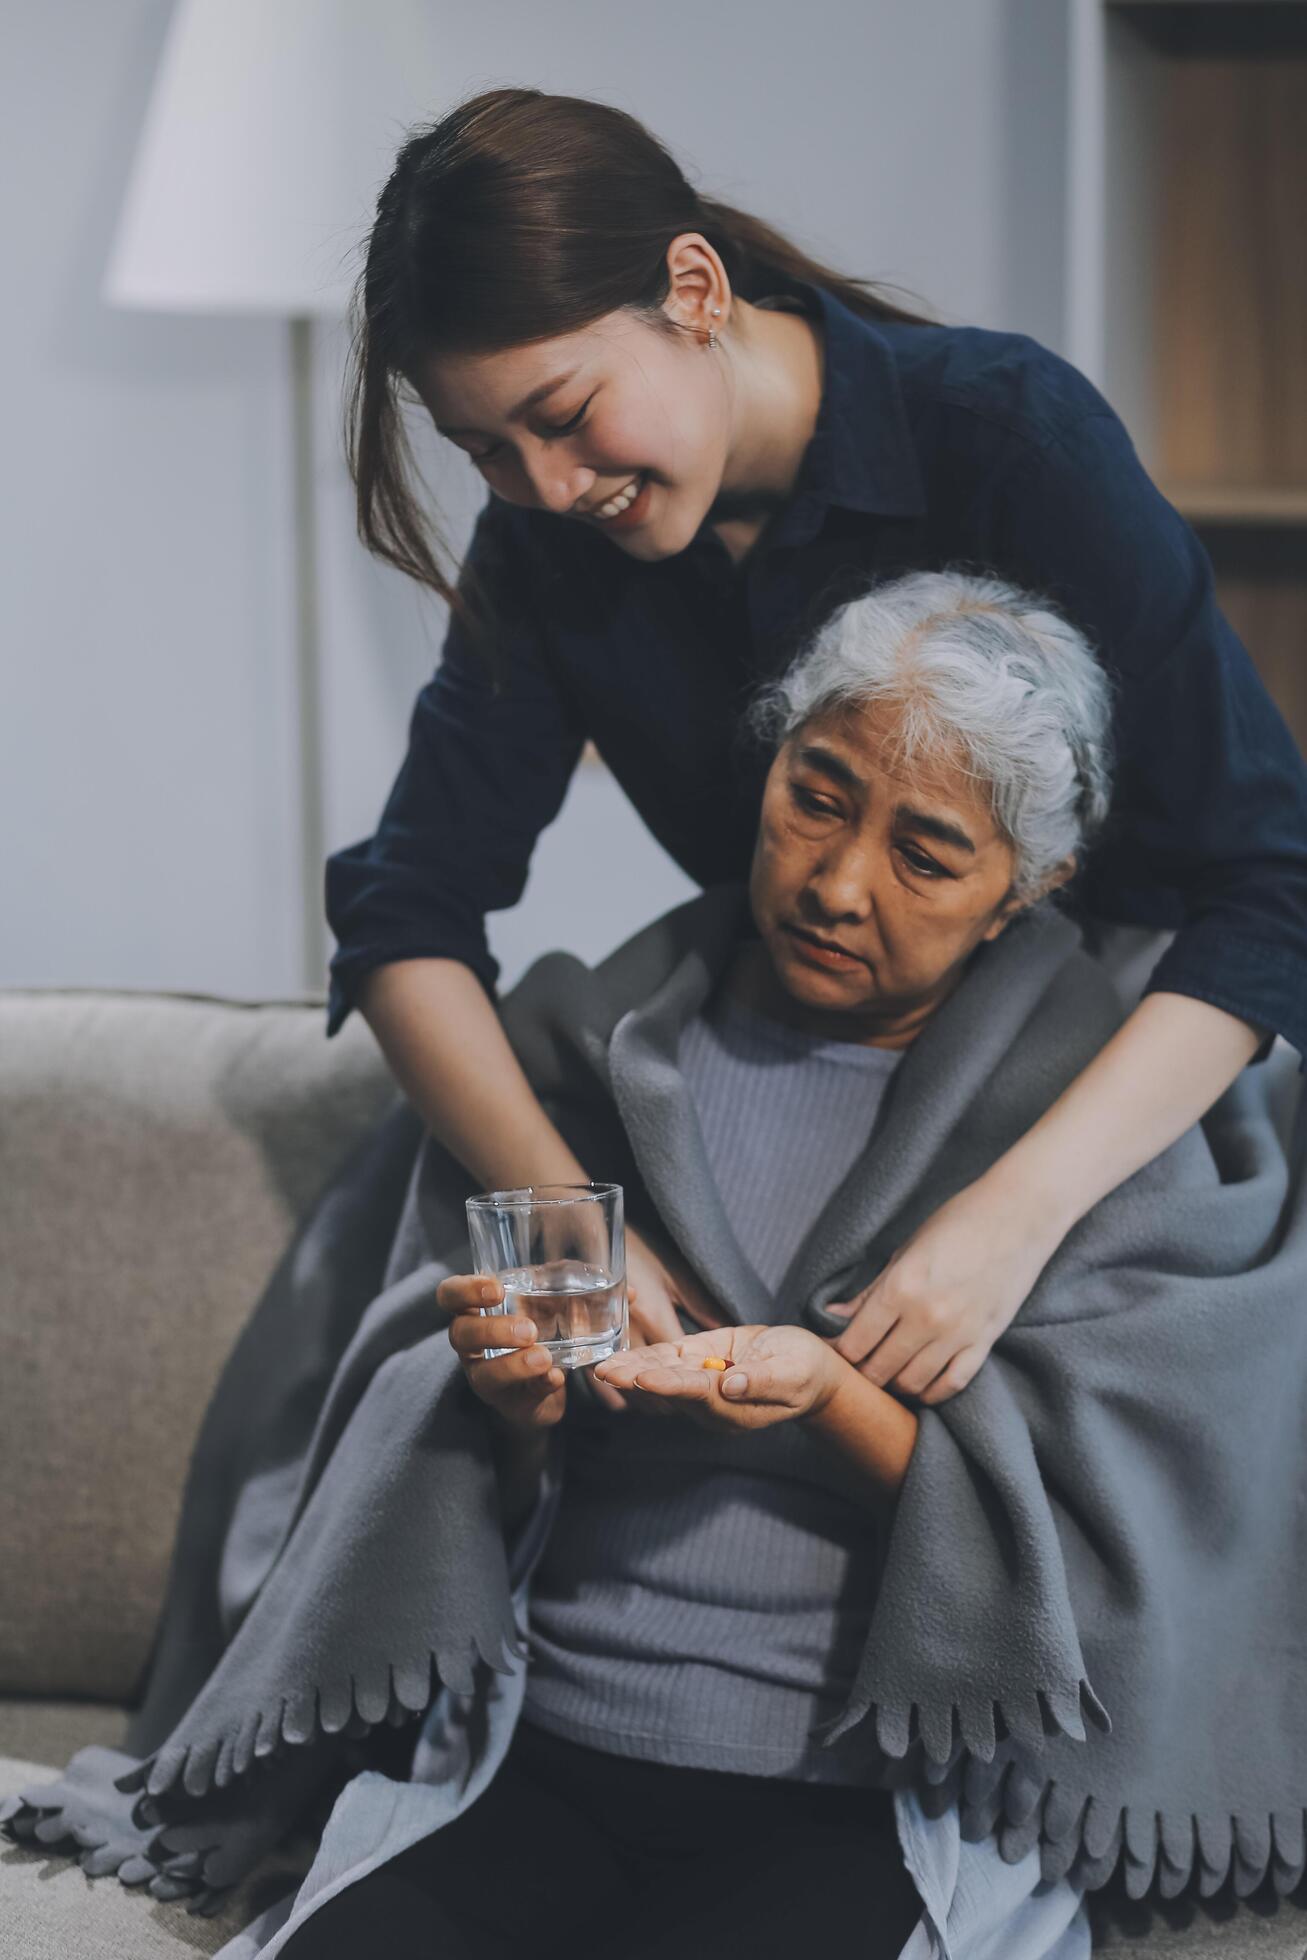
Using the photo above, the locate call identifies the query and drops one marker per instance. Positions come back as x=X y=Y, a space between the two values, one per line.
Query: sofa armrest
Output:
x=156 y=1152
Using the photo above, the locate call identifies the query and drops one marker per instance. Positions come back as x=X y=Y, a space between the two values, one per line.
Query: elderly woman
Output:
x=707 y=1585
x=806 y=1664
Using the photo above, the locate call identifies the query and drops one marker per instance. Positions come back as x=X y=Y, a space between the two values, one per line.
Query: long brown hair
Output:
x=519 y=216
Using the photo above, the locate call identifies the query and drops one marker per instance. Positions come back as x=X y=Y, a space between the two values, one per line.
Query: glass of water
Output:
x=560 y=1252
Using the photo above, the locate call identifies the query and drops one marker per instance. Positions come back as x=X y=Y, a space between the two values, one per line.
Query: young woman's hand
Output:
x=527 y=1388
x=772 y=1374
x=658 y=1281
x=928 y=1321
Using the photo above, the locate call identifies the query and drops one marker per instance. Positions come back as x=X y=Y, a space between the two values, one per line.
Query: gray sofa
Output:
x=145 y=1138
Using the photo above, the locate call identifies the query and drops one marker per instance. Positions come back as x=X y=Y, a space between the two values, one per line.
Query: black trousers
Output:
x=571 y=1852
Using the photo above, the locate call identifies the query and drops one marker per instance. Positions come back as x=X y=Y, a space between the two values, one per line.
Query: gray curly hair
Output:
x=982 y=672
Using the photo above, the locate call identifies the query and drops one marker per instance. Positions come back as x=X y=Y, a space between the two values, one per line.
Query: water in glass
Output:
x=579 y=1310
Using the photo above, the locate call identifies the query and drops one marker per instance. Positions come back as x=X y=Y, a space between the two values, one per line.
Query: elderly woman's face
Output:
x=871 y=888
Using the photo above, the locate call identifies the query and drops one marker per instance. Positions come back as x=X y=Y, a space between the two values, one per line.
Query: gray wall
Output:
x=146 y=690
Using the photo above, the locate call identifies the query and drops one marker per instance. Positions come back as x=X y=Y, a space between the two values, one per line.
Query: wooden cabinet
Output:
x=1187 y=283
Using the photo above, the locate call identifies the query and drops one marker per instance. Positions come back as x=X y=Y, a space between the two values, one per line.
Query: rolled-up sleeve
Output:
x=1208 y=827
x=488 y=762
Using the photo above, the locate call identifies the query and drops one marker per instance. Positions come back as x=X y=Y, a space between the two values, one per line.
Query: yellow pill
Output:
x=714 y=1362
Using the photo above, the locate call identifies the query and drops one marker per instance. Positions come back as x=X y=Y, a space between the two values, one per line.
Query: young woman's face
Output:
x=631 y=402
x=906 y=875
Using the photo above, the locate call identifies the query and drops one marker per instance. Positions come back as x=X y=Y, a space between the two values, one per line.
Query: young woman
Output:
x=698 y=440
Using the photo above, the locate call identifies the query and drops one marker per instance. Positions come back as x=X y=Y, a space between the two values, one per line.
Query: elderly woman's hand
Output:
x=927 y=1322
x=526 y=1388
x=772 y=1374
x=658 y=1281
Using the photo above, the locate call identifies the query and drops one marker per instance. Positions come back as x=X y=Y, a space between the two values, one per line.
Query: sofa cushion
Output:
x=39 y=1730
x=155 y=1154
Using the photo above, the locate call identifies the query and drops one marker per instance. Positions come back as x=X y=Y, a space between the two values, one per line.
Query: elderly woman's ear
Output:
x=1010 y=908
x=1059 y=875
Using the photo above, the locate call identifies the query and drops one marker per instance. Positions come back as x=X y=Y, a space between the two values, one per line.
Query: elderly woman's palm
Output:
x=659 y=1285
x=785 y=1370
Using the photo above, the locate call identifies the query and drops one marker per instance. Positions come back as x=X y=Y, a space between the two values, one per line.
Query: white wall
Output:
x=146 y=705
x=144 y=662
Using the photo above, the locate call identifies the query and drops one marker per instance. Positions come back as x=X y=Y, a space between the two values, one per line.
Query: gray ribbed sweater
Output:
x=704 y=1599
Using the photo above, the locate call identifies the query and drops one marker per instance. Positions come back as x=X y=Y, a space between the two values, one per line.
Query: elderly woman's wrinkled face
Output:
x=871 y=886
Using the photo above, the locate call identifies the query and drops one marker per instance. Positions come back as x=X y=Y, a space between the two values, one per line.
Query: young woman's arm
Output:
x=446 y=1047
x=489 y=759
x=1208 y=836
x=494 y=739
x=934 y=1313
x=1161 y=1071
x=438 y=1030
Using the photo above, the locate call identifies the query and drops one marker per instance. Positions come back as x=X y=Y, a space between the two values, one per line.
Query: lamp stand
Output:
x=308 y=670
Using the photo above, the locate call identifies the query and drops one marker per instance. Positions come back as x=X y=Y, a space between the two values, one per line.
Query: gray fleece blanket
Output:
x=1090 y=1630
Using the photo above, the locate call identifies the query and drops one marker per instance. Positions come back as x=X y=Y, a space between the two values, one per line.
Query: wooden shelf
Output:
x=1228 y=503
x=1217 y=27
x=1187 y=285
x=1229 y=311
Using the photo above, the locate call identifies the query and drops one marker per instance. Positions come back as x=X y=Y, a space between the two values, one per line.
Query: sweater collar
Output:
x=865 y=1217
x=658 y=1113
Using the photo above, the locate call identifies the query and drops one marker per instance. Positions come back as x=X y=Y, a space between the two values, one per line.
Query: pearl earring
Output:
x=712 y=338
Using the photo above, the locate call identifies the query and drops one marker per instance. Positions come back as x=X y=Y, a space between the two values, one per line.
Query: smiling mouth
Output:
x=622 y=499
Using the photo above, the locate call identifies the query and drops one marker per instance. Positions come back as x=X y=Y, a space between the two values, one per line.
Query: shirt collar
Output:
x=861 y=456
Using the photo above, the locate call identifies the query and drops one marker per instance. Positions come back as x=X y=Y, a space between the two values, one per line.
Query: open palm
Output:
x=785 y=1369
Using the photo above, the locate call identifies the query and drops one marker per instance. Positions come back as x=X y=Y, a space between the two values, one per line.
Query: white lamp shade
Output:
x=271 y=127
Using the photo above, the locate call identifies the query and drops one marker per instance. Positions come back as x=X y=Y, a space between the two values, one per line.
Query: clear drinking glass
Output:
x=560 y=1252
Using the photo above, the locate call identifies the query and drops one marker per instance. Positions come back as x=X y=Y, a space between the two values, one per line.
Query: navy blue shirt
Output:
x=935 y=446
